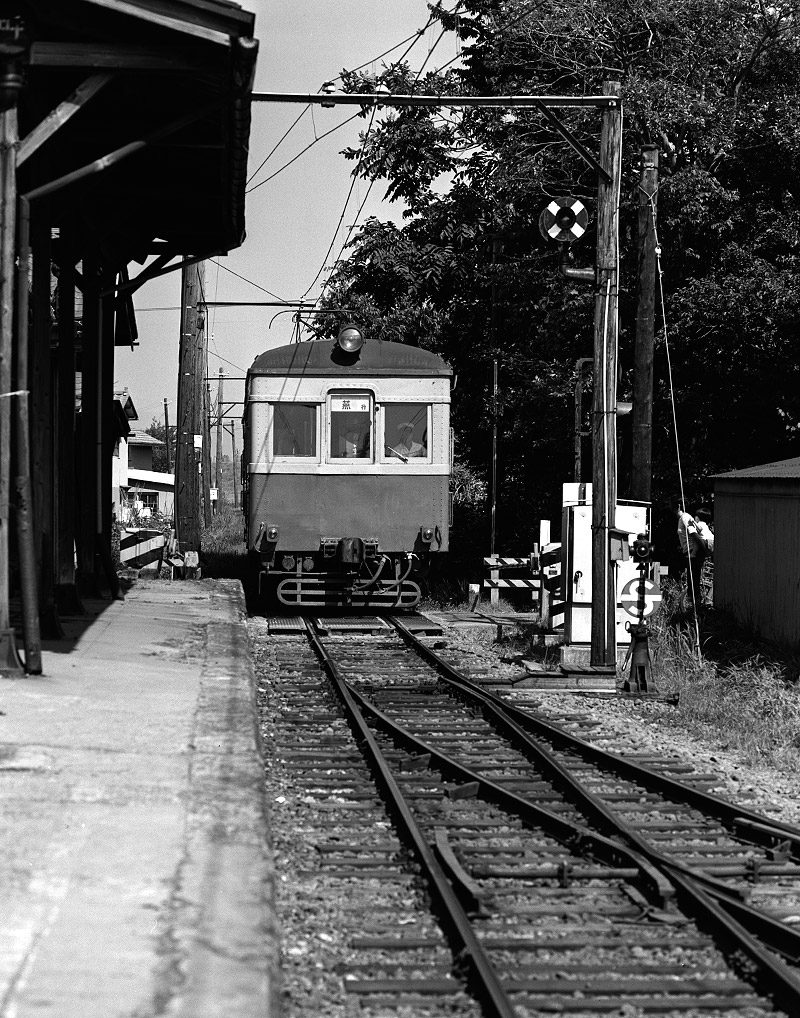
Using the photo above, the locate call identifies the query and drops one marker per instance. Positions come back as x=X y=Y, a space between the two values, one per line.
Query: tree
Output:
x=716 y=86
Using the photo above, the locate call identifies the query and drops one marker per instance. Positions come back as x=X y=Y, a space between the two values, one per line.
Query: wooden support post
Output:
x=190 y=361
x=604 y=407
x=642 y=411
x=67 y=597
x=108 y=441
x=88 y=459
x=9 y=139
x=26 y=551
x=44 y=371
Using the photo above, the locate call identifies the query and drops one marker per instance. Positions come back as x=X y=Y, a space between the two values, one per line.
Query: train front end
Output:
x=346 y=470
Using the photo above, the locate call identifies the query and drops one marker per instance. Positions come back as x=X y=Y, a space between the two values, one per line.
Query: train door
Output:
x=350 y=426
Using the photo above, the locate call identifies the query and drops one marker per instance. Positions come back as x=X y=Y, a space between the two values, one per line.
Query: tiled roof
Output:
x=779 y=469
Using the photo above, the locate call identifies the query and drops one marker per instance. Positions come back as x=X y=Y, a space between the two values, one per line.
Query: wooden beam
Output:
x=163 y=20
x=111 y=56
x=58 y=117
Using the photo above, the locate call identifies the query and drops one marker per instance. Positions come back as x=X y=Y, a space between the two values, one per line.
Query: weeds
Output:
x=744 y=690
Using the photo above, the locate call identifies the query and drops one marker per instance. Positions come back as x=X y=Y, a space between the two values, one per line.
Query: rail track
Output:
x=561 y=877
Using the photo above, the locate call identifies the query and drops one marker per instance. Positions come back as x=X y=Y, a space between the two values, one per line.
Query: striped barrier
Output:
x=138 y=548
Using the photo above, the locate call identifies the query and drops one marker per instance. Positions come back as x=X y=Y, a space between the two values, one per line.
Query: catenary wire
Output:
x=280 y=141
x=302 y=152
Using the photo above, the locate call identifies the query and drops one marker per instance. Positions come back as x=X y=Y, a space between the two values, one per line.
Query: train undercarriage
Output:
x=350 y=579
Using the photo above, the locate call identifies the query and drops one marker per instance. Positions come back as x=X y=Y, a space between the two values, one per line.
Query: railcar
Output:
x=346 y=468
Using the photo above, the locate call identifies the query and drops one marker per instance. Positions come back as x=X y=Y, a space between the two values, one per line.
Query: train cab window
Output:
x=405 y=431
x=294 y=429
x=351 y=427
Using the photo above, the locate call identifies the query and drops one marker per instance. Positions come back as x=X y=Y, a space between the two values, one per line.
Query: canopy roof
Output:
x=159 y=90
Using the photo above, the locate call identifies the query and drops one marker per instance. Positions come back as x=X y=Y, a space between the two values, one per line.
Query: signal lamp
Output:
x=642 y=548
x=288 y=562
x=350 y=339
x=308 y=564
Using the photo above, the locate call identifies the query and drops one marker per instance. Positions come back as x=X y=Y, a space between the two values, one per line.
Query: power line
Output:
x=279 y=143
x=353 y=180
x=246 y=280
x=300 y=153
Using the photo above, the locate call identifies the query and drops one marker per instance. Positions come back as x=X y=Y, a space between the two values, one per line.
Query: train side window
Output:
x=294 y=429
x=351 y=427
x=405 y=430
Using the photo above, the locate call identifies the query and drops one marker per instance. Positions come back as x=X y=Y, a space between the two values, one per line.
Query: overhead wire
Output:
x=660 y=274
x=353 y=179
x=280 y=141
x=302 y=152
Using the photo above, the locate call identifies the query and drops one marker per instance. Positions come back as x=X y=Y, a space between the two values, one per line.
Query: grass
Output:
x=223 y=549
x=746 y=691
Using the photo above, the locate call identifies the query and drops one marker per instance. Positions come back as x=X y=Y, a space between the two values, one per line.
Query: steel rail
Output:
x=485 y=980
x=716 y=902
x=573 y=835
x=751 y=826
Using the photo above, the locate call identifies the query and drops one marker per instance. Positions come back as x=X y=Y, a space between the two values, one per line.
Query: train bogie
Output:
x=346 y=466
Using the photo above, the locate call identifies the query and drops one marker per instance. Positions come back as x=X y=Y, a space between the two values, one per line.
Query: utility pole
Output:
x=166 y=435
x=206 y=475
x=604 y=401
x=190 y=406
x=218 y=474
x=235 y=466
x=642 y=419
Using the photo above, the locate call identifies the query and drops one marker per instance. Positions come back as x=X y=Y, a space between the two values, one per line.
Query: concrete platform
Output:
x=135 y=876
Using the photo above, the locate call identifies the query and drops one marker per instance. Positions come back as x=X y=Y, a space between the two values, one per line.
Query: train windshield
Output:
x=351 y=426
x=294 y=429
x=405 y=430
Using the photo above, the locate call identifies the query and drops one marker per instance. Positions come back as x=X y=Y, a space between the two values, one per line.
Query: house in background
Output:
x=757 y=548
x=138 y=489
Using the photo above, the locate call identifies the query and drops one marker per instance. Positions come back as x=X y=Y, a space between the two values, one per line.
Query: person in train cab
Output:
x=405 y=446
x=693 y=549
x=351 y=443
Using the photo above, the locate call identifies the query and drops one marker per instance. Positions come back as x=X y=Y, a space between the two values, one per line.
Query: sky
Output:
x=292 y=219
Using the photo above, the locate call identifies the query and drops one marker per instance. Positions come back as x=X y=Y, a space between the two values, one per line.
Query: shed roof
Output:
x=779 y=469
x=154 y=162
x=142 y=438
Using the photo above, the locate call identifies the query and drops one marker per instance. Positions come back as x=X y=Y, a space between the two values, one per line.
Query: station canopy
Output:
x=149 y=101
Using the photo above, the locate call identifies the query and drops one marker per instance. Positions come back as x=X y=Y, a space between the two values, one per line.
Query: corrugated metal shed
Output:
x=757 y=547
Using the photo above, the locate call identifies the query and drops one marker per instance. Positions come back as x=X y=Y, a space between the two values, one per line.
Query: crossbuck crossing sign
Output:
x=564 y=220
x=629 y=599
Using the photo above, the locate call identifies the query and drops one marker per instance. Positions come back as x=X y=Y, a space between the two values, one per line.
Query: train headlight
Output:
x=427 y=534
x=272 y=534
x=350 y=339
x=308 y=564
x=288 y=562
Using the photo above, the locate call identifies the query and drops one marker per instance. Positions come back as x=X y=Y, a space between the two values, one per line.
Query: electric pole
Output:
x=235 y=467
x=166 y=435
x=190 y=406
x=218 y=475
x=642 y=412
x=604 y=402
x=206 y=472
